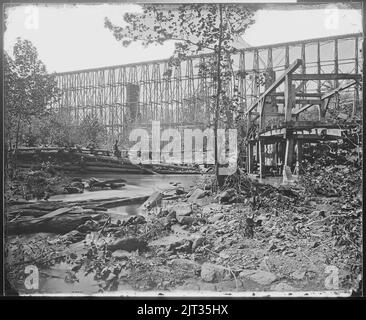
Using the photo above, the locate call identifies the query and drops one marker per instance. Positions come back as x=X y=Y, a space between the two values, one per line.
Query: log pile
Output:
x=85 y=160
x=59 y=216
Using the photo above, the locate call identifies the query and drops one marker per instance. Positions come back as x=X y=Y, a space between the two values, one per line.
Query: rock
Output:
x=342 y=116
x=191 y=268
x=128 y=244
x=89 y=225
x=185 y=246
x=121 y=254
x=214 y=273
x=216 y=217
x=227 y=196
x=259 y=276
x=298 y=275
x=182 y=209
x=154 y=200
x=76 y=179
x=224 y=254
x=197 y=242
x=197 y=194
x=171 y=215
x=179 y=191
x=184 y=220
x=208 y=209
x=72 y=190
x=282 y=287
x=170 y=242
x=77 y=184
x=133 y=220
x=73 y=236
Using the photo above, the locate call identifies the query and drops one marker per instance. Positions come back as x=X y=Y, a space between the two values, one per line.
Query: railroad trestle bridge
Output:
x=306 y=78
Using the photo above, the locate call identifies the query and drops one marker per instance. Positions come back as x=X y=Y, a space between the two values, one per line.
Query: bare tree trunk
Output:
x=17 y=132
x=217 y=109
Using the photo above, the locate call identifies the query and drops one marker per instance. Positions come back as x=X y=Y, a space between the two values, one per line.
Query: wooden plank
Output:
x=326 y=76
x=302 y=109
x=298 y=94
x=301 y=101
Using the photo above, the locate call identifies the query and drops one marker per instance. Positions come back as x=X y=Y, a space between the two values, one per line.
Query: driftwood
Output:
x=59 y=224
x=115 y=183
x=122 y=202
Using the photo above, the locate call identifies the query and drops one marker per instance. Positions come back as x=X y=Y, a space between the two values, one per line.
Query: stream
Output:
x=137 y=185
x=52 y=279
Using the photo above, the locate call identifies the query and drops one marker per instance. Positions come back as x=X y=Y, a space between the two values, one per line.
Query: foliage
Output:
x=58 y=130
x=28 y=89
x=92 y=132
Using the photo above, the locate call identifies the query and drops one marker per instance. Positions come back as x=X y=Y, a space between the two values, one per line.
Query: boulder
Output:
x=179 y=191
x=73 y=236
x=182 y=209
x=154 y=200
x=196 y=194
x=262 y=277
x=298 y=275
x=89 y=225
x=227 y=196
x=197 y=242
x=133 y=220
x=214 y=273
x=185 y=220
x=191 y=267
x=71 y=190
x=128 y=244
x=215 y=217
x=77 y=184
x=211 y=208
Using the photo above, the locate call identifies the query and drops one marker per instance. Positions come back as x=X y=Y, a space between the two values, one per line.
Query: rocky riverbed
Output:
x=187 y=240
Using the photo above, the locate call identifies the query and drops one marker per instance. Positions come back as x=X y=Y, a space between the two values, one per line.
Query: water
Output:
x=137 y=185
x=52 y=279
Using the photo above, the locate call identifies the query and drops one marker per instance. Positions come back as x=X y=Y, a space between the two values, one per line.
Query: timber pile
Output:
x=58 y=216
x=86 y=160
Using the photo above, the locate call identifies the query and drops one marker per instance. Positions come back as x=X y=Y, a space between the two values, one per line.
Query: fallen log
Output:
x=58 y=224
x=105 y=169
x=122 y=202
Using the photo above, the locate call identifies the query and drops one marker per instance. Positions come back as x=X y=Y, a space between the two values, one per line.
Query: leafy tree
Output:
x=196 y=29
x=92 y=132
x=28 y=89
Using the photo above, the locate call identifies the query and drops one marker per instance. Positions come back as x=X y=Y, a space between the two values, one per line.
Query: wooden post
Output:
x=336 y=68
x=299 y=154
x=261 y=158
x=356 y=95
x=289 y=153
x=261 y=106
x=319 y=66
x=276 y=153
x=250 y=158
x=288 y=98
x=287 y=57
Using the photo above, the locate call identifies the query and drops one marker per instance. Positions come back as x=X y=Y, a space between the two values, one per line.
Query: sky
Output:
x=74 y=37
